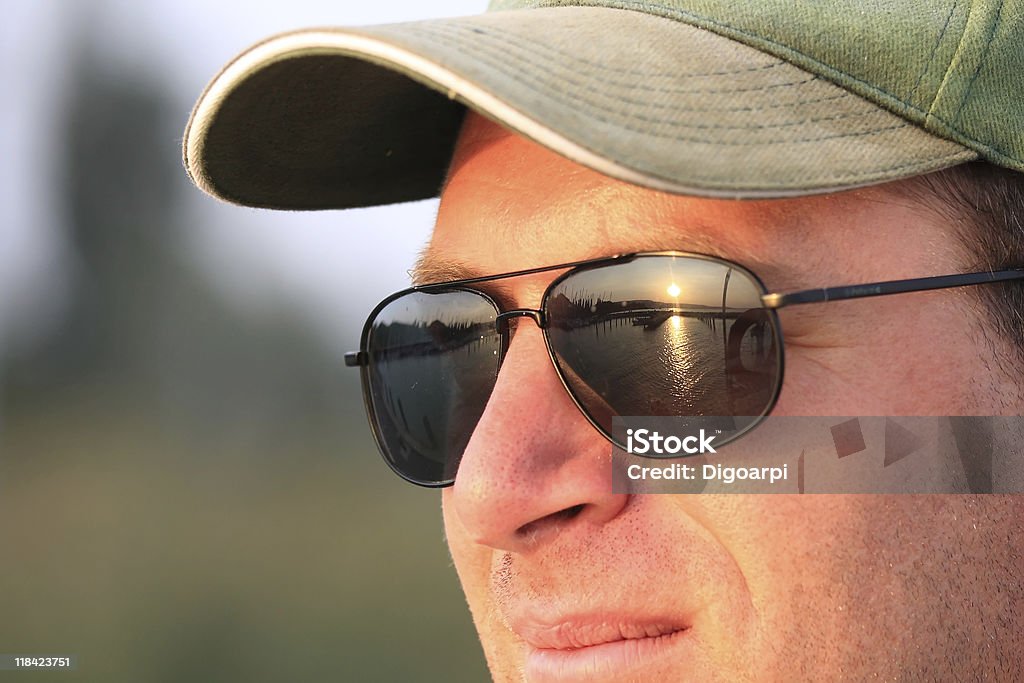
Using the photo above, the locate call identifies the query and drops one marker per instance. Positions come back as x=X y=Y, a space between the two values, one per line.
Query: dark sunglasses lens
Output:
x=666 y=336
x=433 y=360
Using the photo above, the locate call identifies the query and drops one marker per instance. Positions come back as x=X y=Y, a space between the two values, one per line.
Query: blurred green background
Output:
x=188 y=488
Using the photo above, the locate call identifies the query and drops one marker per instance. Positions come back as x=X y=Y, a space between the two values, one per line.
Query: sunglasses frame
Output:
x=771 y=302
x=539 y=315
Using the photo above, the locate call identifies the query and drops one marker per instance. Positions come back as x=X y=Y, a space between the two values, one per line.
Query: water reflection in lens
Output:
x=659 y=336
x=433 y=360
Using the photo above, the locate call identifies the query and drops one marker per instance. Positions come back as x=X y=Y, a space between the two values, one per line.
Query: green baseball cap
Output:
x=715 y=98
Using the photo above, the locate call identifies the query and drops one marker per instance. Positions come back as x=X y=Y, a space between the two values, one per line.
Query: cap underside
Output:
x=340 y=118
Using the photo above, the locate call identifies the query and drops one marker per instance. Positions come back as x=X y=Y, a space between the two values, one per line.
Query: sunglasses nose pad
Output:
x=503 y=322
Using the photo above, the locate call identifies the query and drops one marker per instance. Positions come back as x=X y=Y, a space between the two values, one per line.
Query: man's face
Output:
x=567 y=580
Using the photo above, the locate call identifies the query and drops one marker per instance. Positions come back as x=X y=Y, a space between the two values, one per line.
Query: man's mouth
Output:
x=595 y=647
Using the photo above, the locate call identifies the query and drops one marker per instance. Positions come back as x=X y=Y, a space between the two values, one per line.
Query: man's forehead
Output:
x=501 y=182
x=510 y=204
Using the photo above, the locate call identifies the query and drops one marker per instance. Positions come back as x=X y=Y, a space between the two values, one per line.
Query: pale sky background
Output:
x=331 y=265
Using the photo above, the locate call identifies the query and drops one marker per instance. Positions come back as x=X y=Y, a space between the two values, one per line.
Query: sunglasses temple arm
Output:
x=812 y=296
x=354 y=359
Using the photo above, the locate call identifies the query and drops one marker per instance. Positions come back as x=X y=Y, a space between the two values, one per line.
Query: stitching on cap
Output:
x=495 y=59
x=520 y=38
x=527 y=58
x=874 y=173
x=949 y=67
x=501 y=68
x=913 y=164
x=981 y=60
x=667 y=12
x=935 y=48
x=659 y=10
x=484 y=56
x=447 y=32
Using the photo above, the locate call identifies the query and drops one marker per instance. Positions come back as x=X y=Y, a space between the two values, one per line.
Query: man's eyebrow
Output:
x=429 y=270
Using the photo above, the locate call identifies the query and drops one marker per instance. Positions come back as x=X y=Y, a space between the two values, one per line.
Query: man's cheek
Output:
x=786 y=549
x=835 y=377
x=472 y=561
x=474 y=564
x=908 y=381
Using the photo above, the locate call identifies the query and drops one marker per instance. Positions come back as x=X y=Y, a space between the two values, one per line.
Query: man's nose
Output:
x=534 y=466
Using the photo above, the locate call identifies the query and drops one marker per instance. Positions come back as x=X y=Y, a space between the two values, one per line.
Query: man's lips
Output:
x=595 y=646
x=573 y=633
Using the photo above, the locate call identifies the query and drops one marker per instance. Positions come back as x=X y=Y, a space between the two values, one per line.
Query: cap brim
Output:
x=339 y=118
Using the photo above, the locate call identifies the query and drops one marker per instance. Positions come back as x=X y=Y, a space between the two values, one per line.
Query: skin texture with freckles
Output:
x=743 y=587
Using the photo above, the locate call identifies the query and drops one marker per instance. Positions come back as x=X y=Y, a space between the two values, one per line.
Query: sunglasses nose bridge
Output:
x=502 y=319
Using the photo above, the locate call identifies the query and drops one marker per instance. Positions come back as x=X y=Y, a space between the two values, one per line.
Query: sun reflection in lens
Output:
x=678 y=360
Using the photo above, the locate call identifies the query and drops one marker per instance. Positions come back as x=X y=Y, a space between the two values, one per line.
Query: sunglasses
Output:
x=650 y=334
